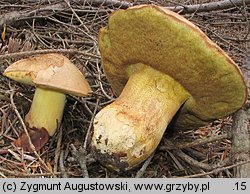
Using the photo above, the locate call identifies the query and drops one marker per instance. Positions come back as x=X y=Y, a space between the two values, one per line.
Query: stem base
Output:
x=43 y=118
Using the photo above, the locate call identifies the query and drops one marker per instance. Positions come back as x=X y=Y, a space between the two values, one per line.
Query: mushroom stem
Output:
x=127 y=131
x=43 y=118
x=46 y=110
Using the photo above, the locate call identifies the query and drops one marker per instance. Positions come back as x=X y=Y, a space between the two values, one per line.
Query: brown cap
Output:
x=53 y=71
x=171 y=44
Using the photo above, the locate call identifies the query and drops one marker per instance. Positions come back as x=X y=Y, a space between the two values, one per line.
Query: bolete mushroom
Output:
x=54 y=76
x=163 y=67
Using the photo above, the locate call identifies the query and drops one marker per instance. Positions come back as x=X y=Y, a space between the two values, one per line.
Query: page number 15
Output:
x=240 y=186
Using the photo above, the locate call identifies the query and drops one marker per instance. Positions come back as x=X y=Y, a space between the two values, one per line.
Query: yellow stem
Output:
x=127 y=131
x=46 y=110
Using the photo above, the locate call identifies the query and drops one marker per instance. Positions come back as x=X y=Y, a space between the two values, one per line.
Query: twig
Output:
x=73 y=26
x=73 y=11
x=90 y=126
x=217 y=170
x=144 y=166
x=2 y=175
x=78 y=18
x=58 y=149
x=15 y=155
x=11 y=17
x=176 y=161
x=45 y=51
x=246 y=69
x=196 y=154
x=176 y=145
x=100 y=83
x=61 y=165
x=81 y=158
x=113 y=3
x=206 y=7
x=3 y=120
x=192 y=161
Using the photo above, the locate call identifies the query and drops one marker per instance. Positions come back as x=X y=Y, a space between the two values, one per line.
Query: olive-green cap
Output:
x=169 y=43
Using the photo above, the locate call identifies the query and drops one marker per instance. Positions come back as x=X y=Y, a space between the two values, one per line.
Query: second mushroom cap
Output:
x=53 y=71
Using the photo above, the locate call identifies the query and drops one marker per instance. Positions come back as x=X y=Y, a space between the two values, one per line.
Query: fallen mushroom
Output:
x=54 y=76
x=165 y=71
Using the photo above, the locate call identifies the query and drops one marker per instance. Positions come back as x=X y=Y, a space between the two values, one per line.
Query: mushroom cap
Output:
x=169 y=43
x=52 y=71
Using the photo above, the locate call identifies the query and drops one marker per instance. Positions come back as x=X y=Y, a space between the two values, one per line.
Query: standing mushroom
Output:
x=54 y=76
x=162 y=67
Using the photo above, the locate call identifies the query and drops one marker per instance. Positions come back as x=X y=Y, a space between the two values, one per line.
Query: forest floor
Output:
x=71 y=27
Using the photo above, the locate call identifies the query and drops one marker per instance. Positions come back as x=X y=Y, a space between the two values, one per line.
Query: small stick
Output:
x=14 y=16
x=170 y=146
x=3 y=121
x=206 y=7
x=45 y=51
x=90 y=126
x=185 y=9
x=79 y=19
x=2 y=175
x=191 y=161
x=144 y=166
x=176 y=161
x=61 y=165
x=58 y=149
x=81 y=158
x=217 y=170
x=100 y=83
